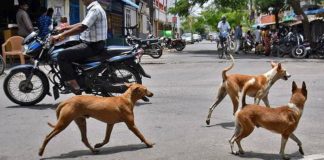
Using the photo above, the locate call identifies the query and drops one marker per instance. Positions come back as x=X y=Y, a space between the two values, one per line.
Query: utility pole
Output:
x=151 y=8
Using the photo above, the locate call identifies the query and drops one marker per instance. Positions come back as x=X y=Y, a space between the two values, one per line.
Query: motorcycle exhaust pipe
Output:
x=120 y=88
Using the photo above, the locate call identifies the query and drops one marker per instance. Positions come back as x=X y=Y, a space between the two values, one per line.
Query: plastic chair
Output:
x=16 y=48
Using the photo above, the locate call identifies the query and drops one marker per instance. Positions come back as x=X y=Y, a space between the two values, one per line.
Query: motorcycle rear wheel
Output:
x=127 y=75
x=180 y=47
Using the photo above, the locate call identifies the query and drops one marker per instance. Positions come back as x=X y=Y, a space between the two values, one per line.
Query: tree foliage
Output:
x=183 y=7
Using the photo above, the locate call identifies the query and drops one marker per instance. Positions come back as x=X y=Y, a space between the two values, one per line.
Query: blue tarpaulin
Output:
x=131 y=3
x=316 y=11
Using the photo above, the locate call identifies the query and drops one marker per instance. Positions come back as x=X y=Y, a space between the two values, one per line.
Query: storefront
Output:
x=8 y=12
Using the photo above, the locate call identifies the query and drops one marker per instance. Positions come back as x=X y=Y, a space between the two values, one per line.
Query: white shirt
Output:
x=96 y=21
x=223 y=26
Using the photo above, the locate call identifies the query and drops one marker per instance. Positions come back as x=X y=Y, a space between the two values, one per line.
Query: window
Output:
x=128 y=18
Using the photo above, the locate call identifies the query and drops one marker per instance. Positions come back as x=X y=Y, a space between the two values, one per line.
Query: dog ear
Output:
x=279 y=67
x=294 y=86
x=273 y=64
x=304 y=90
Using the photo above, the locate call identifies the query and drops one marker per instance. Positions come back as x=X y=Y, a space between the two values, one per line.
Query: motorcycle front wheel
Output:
x=299 y=52
x=25 y=92
x=157 y=51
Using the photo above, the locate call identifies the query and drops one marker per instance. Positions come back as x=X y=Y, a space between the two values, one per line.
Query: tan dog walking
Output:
x=261 y=84
x=282 y=120
x=110 y=110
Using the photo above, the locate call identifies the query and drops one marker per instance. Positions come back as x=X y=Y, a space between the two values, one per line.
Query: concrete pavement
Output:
x=185 y=86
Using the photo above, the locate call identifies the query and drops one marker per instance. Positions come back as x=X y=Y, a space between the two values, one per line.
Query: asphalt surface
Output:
x=184 y=86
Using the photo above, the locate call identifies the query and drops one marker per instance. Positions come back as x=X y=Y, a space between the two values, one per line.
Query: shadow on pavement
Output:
x=225 y=125
x=267 y=156
x=37 y=107
x=103 y=151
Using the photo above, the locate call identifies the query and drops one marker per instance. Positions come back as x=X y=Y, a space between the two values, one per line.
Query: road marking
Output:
x=314 y=157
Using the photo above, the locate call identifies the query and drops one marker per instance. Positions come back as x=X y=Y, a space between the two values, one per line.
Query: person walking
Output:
x=238 y=38
x=45 y=22
x=24 y=23
x=257 y=36
x=93 y=37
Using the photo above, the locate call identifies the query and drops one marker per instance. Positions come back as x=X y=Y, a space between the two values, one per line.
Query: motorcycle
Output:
x=286 y=45
x=177 y=44
x=306 y=49
x=102 y=75
x=247 y=44
x=151 y=46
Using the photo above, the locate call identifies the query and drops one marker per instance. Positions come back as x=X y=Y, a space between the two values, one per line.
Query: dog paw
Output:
x=235 y=152
x=95 y=151
x=150 y=145
x=98 y=145
x=285 y=157
x=301 y=151
x=40 y=152
x=208 y=122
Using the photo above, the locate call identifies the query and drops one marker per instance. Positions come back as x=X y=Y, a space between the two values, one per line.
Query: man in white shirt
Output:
x=93 y=36
x=224 y=28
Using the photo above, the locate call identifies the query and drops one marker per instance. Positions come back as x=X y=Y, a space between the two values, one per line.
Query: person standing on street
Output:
x=257 y=36
x=45 y=22
x=24 y=23
x=93 y=37
x=238 y=37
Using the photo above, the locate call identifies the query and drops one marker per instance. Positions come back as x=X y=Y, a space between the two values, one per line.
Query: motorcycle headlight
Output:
x=25 y=49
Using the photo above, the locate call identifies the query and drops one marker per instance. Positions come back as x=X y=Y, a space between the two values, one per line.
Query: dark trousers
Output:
x=77 y=53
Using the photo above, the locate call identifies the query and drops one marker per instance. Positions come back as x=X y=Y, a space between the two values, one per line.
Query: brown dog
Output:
x=106 y=109
x=233 y=84
x=282 y=120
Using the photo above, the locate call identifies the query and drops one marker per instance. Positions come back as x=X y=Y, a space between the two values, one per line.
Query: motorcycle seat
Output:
x=118 y=49
x=149 y=41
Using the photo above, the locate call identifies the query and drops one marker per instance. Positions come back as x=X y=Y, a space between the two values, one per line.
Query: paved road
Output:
x=185 y=86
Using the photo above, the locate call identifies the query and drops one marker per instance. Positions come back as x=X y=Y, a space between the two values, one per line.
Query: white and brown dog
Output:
x=261 y=84
x=282 y=120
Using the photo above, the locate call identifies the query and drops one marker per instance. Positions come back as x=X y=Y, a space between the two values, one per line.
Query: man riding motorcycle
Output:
x=93 y=35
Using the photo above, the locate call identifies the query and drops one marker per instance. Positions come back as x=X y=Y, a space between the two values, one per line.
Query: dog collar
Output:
x=295 y=108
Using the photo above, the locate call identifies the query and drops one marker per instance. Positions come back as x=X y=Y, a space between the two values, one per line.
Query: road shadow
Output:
x=267 y=156
x=225 y=125
x=140 y=104
x=103 y=151
x=36 y=107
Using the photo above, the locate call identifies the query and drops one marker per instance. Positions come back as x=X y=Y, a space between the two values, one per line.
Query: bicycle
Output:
x=2 y=65
x=224 y=44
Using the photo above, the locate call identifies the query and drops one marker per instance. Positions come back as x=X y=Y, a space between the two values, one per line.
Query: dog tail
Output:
x=58 y=110
x=228 y=68
x=51 y=125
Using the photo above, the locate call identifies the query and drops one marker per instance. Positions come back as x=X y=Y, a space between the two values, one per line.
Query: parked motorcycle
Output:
x=102 y=75
x=286 y=45
x=247 y=44
x=177 y=44
x=151 y=46
x=306 y=49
